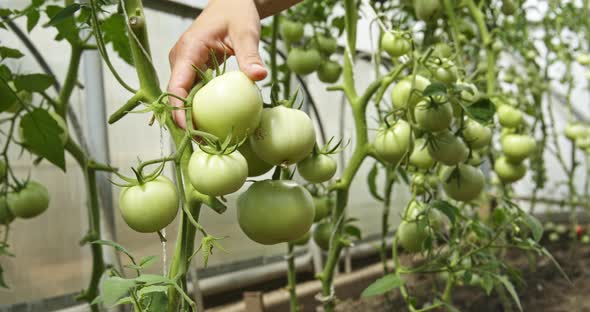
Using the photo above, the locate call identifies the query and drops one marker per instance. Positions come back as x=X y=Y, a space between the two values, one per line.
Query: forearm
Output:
x=271 y=7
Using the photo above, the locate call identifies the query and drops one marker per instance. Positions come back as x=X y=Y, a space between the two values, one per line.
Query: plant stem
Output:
x=487 y=42
x=71 y=80
x=292 y=278
x=389 y=182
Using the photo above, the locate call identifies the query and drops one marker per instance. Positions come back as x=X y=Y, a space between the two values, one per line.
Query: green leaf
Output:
x=353 y=231
x=2 y=281
x=510 y=288
x=116 y=246
x=66 y=28
x=152 y=289
x=559 y=268
x=63 y=14
x=114 y=31
x=42 y=136
x=5 y=12
x=155 y=302
x=402 y=173
x=481 y=111
x=339 y=24
x=445 y=207
x=6 y=52
x=535 y=225
x=372 y=182
x=124 y=300
x=151 y=279
x=487 y=283
x=114 y=288
x=147 y=261
x=38 y=3
x=33 y=82
x=32 y=19
x=7 y=95
x=383 y=285
x=435 y=89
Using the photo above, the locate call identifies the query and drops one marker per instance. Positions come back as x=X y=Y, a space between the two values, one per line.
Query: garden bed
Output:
x=543 y=288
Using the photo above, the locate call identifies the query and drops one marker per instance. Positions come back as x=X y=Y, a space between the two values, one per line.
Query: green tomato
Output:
x=583 y=59
x=469 y=92
x=509 y=172
x=446 y=72
x=393 y=143
x=508 y=7
x=291 y=31
x=509 y=116
x=317 y=168
x=443 y=50
x=497 y=46
x=517 y=147
x=303 y=240
x=436 y=219
x=272 y=212
x=395 y=44
x=420 y=158
x=476 y=135
x=30 y=201
x=6 y=216
x=323 y=207
x=217 y=175
x=303 y=62
x=573 y=131
x=412 y=235
x=229 y=104
x=329 y=72
x=400 y=94
x=326 y=44
x=448 y=149
x=321 y=235
x=463 y=183
x=433 y=117
x=426 y=10
x=256 y=166
x=285 y=136
x=149 y=207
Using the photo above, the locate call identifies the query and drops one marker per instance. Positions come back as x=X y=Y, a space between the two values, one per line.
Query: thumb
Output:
x=245 y=45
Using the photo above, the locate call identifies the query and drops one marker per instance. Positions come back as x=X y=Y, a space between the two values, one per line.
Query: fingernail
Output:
x=258 y=67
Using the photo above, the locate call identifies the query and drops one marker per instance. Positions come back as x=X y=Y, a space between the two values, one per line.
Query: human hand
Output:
x=226 y=27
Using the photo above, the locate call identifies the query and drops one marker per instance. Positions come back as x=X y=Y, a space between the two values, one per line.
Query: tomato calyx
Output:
x=140 y=178
x=213 y=146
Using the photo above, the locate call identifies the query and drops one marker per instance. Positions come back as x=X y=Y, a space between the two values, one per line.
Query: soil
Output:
x=544 y=289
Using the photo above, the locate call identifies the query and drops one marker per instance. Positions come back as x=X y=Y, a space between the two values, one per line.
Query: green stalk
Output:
x=487 y=42
x=292 y=279
x=389 y=182
x=71 y=79
x=150 y=89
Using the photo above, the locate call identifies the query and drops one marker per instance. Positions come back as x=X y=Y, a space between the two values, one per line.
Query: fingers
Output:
x=245 y=45
x=182 y=78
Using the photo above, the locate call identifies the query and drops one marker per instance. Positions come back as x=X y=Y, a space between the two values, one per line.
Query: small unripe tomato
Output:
x=322 y=234
x=517 y=147
x=6 y=216
x=274 y=140
x=509 y=172
x=217 y=175
x=393 y=143
x=395 y=44
x=420 y=158
x=323 y=207
x=30 y=201
x=303 y=62
x=412 y=235
x=272 y=212
x=291 y=31
x=326 y=44
x=433 y=117
x=149 y=207
x=573 y=131
x=329 y=72
x=463 y=183
x=402 y=94
x=426 y=10
x=509 y=116
x=303 y=240
x=448 y=149
x=317 y=168
x=476 y=135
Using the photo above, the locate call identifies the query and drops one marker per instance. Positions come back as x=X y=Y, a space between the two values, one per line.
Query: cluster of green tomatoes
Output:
x=245 y=140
